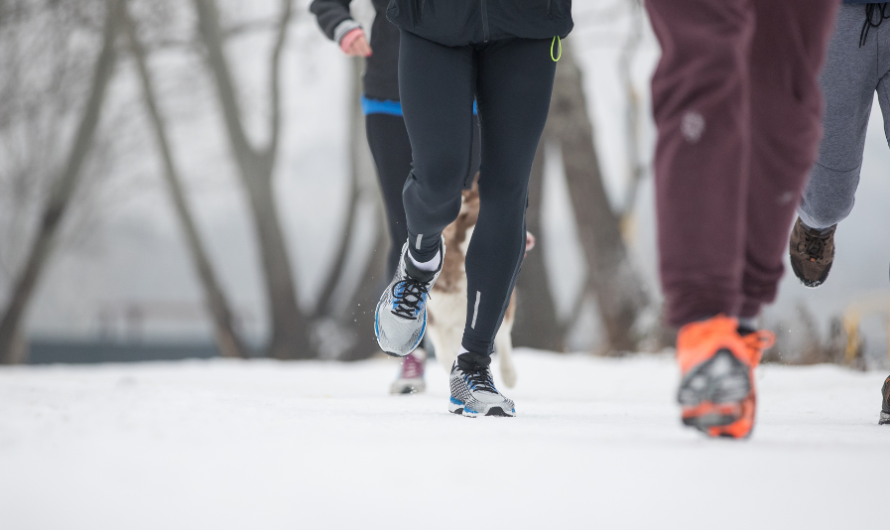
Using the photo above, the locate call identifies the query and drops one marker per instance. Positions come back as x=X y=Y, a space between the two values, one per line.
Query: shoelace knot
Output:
x=407 y=300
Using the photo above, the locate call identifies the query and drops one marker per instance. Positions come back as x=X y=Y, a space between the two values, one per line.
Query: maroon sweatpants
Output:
x=738 y=109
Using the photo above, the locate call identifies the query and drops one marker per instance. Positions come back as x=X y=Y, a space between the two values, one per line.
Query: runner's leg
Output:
x=437 y=89
x=701 y=102
x=514 y=86
x=391 y=149
x=787 y=54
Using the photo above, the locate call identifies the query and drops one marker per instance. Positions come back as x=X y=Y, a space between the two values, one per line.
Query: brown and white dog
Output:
x=447 y=306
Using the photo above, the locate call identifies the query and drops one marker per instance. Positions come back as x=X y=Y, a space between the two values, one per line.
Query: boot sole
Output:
x=724 y=421
x=722 y=379
x=717 y=396
x=459 y=408
x=811 y=284
x=397 y=354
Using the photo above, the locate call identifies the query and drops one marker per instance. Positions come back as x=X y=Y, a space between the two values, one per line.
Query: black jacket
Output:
x=382 y=67
x=461 y=22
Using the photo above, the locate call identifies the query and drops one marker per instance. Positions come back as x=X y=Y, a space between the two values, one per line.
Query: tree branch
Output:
x=358 y=140
x=227 y=339
x=208 y=28
x=274 y=78
x=60 y=197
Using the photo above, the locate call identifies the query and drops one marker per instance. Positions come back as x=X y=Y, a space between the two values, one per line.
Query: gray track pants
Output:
x=849 y=81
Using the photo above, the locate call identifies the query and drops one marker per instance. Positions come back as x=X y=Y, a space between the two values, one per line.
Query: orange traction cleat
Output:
x=717 y=365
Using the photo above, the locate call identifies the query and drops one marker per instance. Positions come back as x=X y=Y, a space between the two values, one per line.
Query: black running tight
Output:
x=391 y=150
x=512 y=81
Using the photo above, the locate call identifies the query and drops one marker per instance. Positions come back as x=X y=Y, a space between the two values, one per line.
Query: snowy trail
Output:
x=268 y=445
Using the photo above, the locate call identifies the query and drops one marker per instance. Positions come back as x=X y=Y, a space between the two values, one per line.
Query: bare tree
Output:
x=357 y=142
x=632 y=112
x=619 y=291
x=44 y=80
x=63 y=188
x=361 y=308
x=290 y=337
x=356 y=317
x=228 y=341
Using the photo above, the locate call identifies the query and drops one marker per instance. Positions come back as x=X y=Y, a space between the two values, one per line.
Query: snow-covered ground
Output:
x=269 y=445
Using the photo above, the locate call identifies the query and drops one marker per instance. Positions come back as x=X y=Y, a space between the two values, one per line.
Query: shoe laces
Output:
x=480 y=380
x=407 y=295
x=814 y=245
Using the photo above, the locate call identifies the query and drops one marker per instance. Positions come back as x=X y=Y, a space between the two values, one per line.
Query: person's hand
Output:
x=355 y=44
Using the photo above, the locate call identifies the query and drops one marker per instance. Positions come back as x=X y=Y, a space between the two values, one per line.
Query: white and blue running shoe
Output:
x=400 y=320
x=473 y=393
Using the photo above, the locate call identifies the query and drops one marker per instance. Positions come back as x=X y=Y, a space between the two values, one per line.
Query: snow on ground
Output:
x=269 y=445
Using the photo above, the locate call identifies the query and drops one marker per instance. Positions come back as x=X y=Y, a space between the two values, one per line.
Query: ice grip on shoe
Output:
x=700 y=342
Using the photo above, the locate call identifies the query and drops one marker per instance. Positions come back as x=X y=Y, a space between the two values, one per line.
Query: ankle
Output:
x=427 y=264
x=747 y=325
x=471 y=361
x=817 y=230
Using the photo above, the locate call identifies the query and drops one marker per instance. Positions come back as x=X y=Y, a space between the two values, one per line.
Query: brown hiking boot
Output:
x=812 y=252
x=885 y=404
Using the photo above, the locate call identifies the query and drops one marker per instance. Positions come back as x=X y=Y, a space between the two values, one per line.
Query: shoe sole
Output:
x=721 y=379
x=723 y=422
x=885 y=418
x=810 y=284
x=462 y=410
x=383 y=348
x=717 y=397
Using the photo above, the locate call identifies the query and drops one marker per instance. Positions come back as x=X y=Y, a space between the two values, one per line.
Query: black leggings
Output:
x=512 y=81
x=391 y=150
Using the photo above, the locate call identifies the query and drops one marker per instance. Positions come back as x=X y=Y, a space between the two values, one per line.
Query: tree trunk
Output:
x=364 y=302
x=290 y=332
x=63 y=189
x=358 y=140
x=359 y=313
x=632 y=115
x=536 y=325
x=619 y=291
x=230 y=345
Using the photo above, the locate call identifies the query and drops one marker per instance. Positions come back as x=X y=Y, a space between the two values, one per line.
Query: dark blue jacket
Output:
x=461 y=22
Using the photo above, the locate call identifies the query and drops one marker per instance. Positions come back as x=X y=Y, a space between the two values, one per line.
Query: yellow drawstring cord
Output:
x=552 y=44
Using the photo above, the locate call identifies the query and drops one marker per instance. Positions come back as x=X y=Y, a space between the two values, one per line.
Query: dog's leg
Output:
x=503 y=345
x=434 y=335
x=450 y=347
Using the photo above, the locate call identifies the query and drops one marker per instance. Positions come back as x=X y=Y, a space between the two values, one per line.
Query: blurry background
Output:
x=189 y=179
